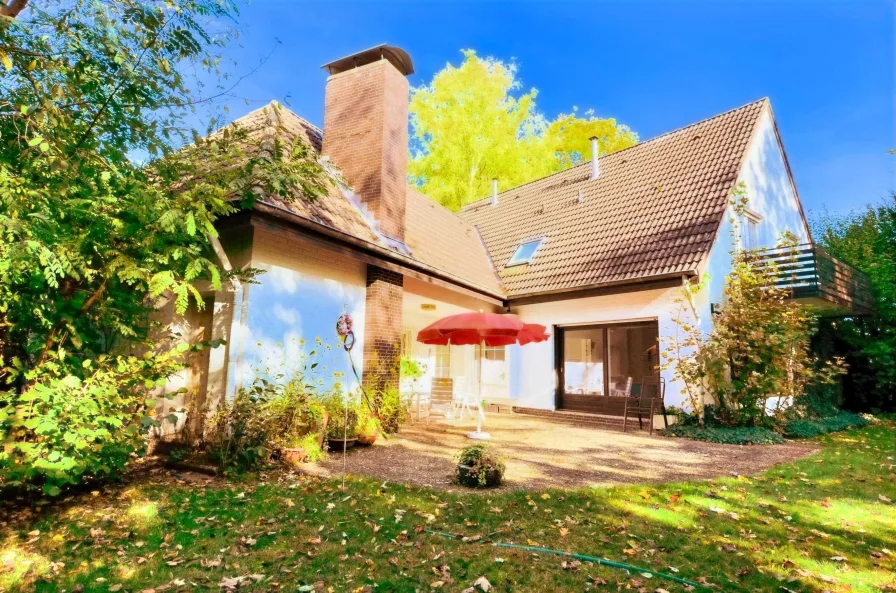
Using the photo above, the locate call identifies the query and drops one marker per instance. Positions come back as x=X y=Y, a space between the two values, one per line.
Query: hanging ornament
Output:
x=344 y=331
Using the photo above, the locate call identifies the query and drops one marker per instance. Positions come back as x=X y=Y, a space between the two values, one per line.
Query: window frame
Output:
x=750 y=230
x=560 y=356
x=538 y=243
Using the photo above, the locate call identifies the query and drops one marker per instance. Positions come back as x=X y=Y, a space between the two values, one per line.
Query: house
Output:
x=598 y=253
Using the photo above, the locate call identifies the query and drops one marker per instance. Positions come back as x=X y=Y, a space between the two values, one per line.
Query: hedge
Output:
x=802 y=428
x=752 y=435
x=805 y=428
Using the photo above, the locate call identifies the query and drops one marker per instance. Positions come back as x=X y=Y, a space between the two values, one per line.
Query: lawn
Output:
x=825 y=523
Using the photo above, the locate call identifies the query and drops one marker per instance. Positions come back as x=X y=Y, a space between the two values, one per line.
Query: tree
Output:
x=91 y=238
x=867 y=241
x=472 y=124
x=759 y=346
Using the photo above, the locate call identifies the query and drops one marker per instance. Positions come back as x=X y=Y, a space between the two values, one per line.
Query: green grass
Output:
x=822 y=523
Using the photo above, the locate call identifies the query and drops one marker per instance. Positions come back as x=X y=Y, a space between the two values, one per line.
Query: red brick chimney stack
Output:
x=366 y=130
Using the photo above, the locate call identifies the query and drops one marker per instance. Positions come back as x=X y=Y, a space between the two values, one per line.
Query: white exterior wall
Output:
x=304 y=290
x=770 y=193
x=533 y=378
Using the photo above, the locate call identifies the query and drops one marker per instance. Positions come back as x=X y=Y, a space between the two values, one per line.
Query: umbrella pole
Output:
x=479 y=435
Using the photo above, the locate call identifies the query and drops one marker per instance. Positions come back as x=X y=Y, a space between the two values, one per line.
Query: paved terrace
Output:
x=542 y=453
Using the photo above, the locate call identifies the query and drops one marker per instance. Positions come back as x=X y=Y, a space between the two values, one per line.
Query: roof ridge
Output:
x=474 y=203
x=275 y=104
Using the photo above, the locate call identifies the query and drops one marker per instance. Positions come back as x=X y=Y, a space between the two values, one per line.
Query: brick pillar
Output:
x=382 y=329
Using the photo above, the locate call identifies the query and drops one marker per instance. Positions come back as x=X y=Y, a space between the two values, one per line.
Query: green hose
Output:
x=576 y=556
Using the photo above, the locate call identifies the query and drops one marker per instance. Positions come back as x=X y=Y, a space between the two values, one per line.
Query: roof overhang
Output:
x=406 y=263
x=655 y=282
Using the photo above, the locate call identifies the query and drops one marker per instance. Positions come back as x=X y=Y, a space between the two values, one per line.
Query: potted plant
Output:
x=342 y=429
x=305 y=441
x=368 y=426
x=480 y=466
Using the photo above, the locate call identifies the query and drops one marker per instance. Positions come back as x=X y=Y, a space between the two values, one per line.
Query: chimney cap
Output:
x=396 y=56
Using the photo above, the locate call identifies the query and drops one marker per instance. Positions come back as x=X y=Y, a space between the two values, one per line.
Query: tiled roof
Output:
x=445 y=241
x=654 y=210
x=436 y=237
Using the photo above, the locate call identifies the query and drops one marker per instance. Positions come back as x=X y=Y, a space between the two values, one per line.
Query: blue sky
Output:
x=828 y=67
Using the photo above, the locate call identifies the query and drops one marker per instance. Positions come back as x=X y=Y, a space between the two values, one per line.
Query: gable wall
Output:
x=771 y=194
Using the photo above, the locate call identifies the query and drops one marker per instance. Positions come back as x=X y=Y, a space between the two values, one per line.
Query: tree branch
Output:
x=13 y=9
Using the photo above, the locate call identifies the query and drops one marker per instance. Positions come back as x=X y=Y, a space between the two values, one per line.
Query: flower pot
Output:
x=365 y=440
x=467 y=476
x=293 y=455
x=337 y=445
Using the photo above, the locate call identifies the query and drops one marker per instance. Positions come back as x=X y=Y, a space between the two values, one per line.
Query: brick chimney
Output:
x=366 y=130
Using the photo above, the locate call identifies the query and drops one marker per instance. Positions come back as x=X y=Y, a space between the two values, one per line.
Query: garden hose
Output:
x=582 y=557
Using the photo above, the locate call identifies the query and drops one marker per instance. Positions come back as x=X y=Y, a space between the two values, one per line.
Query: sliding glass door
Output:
x=599 y=361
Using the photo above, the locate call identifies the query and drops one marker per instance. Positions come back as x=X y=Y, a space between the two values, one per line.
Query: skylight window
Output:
x=524 y=253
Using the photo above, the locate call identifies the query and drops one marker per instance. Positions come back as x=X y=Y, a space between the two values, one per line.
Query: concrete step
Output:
x=596 y=420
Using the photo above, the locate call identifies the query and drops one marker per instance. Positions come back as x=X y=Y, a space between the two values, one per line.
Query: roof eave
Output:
x=378 y=250
x=628 y=282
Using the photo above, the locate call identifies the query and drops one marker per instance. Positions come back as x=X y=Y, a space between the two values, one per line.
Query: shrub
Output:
x=393 y=409
x=64 y=430
x=747 y=435
x=759 y=345
x=343 y=417
x=805 y=428
x=262 y=420
x=368 y=425
x=480 y=466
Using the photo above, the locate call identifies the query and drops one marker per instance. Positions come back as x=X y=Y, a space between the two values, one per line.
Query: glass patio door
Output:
x=603 y=361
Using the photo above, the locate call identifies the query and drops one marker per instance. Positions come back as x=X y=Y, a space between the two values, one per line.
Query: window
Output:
x=494 y=352
x=750 y=233
x=443 y=362
x=524 y=253
x=616 y=360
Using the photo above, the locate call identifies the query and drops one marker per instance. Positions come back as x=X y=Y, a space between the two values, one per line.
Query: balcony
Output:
x=817 y=279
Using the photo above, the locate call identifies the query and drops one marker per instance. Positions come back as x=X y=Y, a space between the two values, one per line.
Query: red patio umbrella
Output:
x=485 y=329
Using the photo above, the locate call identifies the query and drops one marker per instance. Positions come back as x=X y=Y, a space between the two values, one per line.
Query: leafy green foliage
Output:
x=867 y=241
x=742 y=435
x=394 y=410
x=263 y=419
x=759 y=345
x=343 y=417
x=91 y=240
x=805 y=428
x=470 y=125
x=65 y=429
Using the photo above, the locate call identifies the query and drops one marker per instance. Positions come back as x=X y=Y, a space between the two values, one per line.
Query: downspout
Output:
x=240 y=302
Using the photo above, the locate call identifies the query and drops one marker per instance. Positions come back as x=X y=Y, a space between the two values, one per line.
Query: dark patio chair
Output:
x=654 y=386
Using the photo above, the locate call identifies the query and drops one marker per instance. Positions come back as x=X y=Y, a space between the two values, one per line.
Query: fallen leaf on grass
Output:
x=480 y=584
